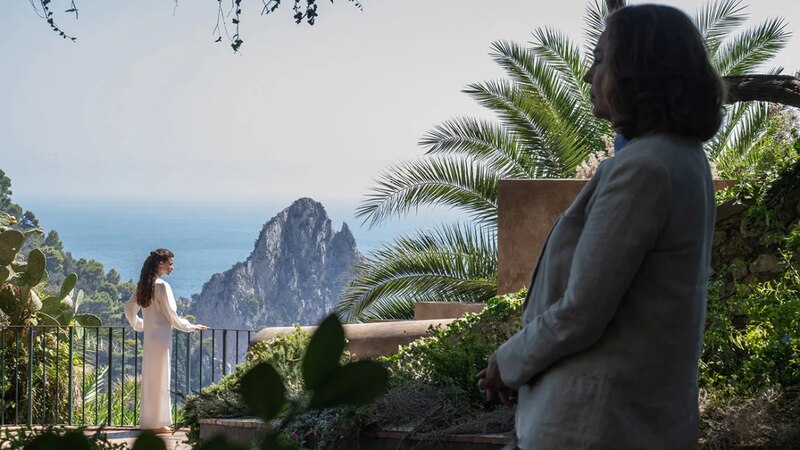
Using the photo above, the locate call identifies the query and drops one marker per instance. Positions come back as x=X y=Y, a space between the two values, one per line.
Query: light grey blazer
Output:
x=607 y=357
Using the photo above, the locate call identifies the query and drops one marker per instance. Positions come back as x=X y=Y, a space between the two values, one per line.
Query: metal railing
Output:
x=91 y=375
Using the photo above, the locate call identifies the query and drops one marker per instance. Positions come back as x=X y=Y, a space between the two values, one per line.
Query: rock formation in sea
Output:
x=295 y=274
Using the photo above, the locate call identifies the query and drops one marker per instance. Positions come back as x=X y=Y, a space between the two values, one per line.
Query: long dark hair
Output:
x=147 y=278
x=660 y=78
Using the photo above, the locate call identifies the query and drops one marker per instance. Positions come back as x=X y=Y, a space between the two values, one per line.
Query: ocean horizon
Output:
x=206 y=238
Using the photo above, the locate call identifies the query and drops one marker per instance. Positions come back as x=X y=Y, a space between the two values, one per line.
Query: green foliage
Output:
x=750 y=365
x=149 y=441
x=323 y=353
x=759 y=160
x=218 y=400
x=285 y=353
x=449 y=264
x=54 y=438
x=19 y=302
x=545 y=130
x=266 y=393
x=332 y=384
x=105 y=294
x=753 y=339
x=452 y=355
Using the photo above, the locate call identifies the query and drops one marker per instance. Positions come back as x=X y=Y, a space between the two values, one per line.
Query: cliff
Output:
x=295 y=274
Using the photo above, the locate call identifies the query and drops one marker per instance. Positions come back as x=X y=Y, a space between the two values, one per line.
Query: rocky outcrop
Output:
x=295 y=274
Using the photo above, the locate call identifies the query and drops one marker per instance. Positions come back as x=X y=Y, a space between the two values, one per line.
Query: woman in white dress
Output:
x=154 y=297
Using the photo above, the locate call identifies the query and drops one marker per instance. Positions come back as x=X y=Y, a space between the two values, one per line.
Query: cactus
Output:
x=18 y=301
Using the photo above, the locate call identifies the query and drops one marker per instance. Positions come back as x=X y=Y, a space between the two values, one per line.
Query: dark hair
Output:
x=147 y=278
x=659 y=76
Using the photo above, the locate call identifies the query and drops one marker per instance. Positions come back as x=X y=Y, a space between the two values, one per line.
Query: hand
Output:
x=199 y=327
x=489 y=380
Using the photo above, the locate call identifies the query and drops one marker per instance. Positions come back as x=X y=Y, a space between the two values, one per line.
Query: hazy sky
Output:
x=145 y=106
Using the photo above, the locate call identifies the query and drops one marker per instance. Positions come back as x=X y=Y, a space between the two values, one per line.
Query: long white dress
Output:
x=159 y=319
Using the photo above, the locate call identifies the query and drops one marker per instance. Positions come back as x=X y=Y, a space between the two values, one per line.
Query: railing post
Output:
x=83 y=378
x=213 y=353
x=187 y=389
x=70 y=398
x=44 y=373
x=58 y=363
x=200 y=386
x=96 y=373
x=16 y=375
x=135 y=377
x=30 y=376
x=175 y=378
x=3 y=378
x=122 y=381
x=109 y=419
x=224 y=351
x=237 y=347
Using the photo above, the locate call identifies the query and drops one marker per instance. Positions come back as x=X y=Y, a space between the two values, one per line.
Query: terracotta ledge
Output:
x=368 y=340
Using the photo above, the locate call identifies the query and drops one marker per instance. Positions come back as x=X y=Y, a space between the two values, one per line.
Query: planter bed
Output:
x=243 y=430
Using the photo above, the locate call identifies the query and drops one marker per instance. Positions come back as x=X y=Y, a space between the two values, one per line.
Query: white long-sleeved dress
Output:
x=159 y=319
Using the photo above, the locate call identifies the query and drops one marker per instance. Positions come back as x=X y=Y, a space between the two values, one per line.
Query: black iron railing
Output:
x=91 y=375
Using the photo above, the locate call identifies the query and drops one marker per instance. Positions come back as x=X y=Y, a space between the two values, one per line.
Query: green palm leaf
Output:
x=441 y=180
x=483 y=141
x=507 y=101
x=595 y=23
x=733 y=115
x=750 y=49
x=452 y=263
x=564 y=121
x=716 y=20
x=743 y=133
x=557 y=52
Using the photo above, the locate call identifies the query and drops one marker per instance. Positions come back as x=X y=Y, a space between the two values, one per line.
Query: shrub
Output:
x=451 y=356
x=56 y=438
x=222 y=399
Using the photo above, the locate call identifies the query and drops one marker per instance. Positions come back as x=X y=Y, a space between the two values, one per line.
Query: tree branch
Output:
x=784 y=89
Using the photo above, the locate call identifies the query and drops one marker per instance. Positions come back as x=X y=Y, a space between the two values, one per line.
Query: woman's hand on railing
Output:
x=199 y=327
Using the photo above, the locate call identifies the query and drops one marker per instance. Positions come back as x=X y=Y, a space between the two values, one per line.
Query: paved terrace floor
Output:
x=127 y=435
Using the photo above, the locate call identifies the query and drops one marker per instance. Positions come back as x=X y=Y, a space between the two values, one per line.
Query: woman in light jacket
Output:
x=154 y=296
x=607 y=357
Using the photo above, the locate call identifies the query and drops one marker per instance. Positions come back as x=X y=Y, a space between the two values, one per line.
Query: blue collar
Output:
x=620 y=141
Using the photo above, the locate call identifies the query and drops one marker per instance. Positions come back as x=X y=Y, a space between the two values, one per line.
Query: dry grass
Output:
x=765 y=421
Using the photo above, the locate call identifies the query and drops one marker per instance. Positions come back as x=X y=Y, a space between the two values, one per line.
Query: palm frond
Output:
x=745 y=134
x=503 y=98
x=717 y=19
x=442 y=180
x=715 y=147
x=482 y=141
x=751 y=48
x=528 y=119
x=451 y=263
x=594 y=24
x=555 y=50
x=751 y=130
x=564 y=115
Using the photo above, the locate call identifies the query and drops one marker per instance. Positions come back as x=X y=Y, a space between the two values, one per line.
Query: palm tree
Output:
x=545 y=130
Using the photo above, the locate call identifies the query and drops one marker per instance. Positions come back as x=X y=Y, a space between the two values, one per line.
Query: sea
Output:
x=206 y=238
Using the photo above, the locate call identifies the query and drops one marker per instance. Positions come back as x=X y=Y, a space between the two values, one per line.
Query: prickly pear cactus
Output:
x=19 y=303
